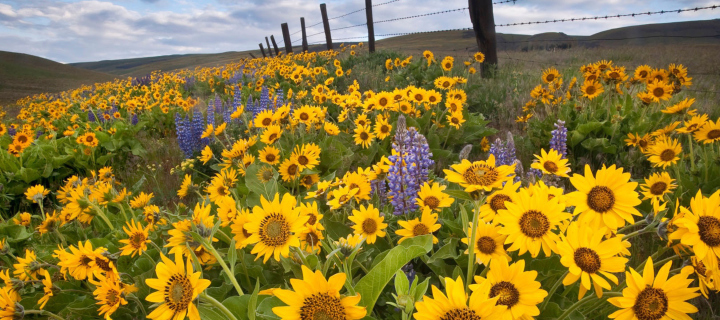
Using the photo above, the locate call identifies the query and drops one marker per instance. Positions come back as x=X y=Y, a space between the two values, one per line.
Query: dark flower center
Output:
x=509 y=295
x=534 y=224
x=651 y=304
x=601 y=199
x=587 y=259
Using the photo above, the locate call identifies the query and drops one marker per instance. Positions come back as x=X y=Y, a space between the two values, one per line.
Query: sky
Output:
x=78 y=31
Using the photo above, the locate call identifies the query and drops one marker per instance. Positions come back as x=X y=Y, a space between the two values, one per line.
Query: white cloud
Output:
x=99 y=30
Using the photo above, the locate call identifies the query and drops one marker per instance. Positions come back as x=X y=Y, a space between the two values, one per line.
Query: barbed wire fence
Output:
x=482 y=23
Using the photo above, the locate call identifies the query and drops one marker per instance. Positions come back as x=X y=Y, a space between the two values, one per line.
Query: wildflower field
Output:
x=300 y=187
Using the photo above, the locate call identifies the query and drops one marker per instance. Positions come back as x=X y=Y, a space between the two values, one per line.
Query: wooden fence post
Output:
x=252 y=55
x=286 y=37
x=267 y=41
x=277 y=51
x=326 y=25
x=304 y=35
x=262 y=50
x=371 y=28
x=481 y=15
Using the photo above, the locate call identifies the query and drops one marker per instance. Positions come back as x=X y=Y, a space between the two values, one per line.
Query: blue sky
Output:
x=91 y=30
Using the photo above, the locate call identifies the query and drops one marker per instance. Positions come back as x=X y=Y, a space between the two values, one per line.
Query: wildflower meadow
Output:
x=297 y=187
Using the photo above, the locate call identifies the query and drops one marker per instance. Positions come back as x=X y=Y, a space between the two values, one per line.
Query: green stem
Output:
x=218 y=305
x=626 y=228
x=224 y=266
x=633 y=234
x=553 y=289
x=692 y=154
x=102 y=215
x=471 y=246
x=663 y=261
x=44 y=313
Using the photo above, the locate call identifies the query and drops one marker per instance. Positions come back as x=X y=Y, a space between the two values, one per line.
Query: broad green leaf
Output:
x=460 y=194
x=238 y=306
x=448 y=251
x=372 y=284
x=210 y=313
x=402 y=284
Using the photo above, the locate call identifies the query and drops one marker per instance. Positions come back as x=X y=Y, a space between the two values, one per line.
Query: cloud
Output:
x=100 y=30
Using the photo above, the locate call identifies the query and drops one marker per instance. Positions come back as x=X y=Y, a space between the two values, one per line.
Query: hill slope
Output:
x=22 y=75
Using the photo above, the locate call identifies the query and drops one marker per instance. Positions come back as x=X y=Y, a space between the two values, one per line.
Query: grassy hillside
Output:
x=22 y=75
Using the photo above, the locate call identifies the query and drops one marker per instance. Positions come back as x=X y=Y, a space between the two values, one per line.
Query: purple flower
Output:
x=559 y=138
x=409 y=169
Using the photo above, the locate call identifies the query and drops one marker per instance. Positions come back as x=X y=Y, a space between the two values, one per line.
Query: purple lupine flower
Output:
x=11 y=131
x=134 y=120
x=409 y=169
x=189 y=82
x=559 y=138
x=91 y=115
x=218 y=104
x=198 y=126
x=211 y=113
x=409 y=272
x=379 y=187
x=497 y=149
x=264 y=99
x=181 y=129
x=279 y=99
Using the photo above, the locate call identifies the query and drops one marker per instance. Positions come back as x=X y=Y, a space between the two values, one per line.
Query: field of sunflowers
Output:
x=311 y=191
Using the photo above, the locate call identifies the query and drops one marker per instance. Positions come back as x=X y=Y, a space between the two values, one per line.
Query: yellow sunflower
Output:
x=709 y=133
x=591 y=89
x=513 y=287
x=36 y=193
x=368 y=223
x=489 y=243
x=47 y=288
x=679 y=107
x=657 y=185
x=496 y=201
x=480 y=175
x=479 y=57
x=314 y=297
x=590 y=259
x=431 y=196
x=310 y=238
x=270 y=155
x=694 y=124
x=456 y=119
x=642 y=72
x=550 y=75
x=456 y=305
x=307 y=156
x=331 y=128
x=240 y=234
x=651 y=296
x=273 y=227
x=363 y=136
x=289 y=170
x=606 y=199
x=664 y=152
x=271 y=134
x=109 y=295
x=427 y=224
x=382 y=128
x=447 y=63
x=699 y=226
x=660 y=90
x=551 y=163
x=177 y=286
x=530 y=222
x=341 y=196
x=137 y=239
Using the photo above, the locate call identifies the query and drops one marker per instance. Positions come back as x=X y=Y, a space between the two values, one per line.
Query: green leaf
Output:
x=448 y=251
x=420 y=290
x=238 y=306
x=253 y=301
x=372 y=284
x=264 y=309
x=402 y=285
x=15 y=233
x=266 y=190
x=232 y=255
x=460 y=194
x=588 y=127
x=210 y=313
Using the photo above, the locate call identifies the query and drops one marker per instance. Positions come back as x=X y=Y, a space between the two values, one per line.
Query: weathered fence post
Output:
x=304 y=35
x=277 y=51
x=267 y=41
x=326 y=25
x=371 y=28
x=481 y=15
x=262 y=50
x=252 y=55
x=286 y=37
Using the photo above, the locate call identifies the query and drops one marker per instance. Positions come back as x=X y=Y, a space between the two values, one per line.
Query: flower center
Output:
x=292 y=169
x=651 y=304
x=446 y=84
x=303 y=160
x=643 y=143
x=460 y=314
x=384 y=129
x=321 y=306
x=274 y=230
x=486 y=245
x=534 y=224
x=550 y=77
x=658 y=92
x=270 y=158
x=272 y=137
x=85 y=261
x=383 y=101
x=418 y=97
x=713 y=134
x=103 y=264
x=313 y=218
x=369 y=226
x=587 y=259
x=89 y=139
x=432 y=202
x=709 y=230
x=483 y=175
x=700 y=268
x=667 y=155
x=312 y=238
x=363 y=136
x=643 y=74
x=658 y=188
x=344 y=198
x=601 y=199
x=178 y=293
x=455 y=120
x=498 y=202
x=137 y=239
x=304 y=116
x=550 y=166
x=420 y=229
x=509 y=295
x=590 y=90
x=112 y=297
x=266 y=122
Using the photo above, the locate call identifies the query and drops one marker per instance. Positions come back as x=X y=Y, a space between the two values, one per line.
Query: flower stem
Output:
x=553 y=289
x=471 y=245
x=218 y=305
x=44 y=313
x=224 y=266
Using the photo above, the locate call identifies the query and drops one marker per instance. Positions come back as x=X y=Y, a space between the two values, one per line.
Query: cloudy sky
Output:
x=77 y=31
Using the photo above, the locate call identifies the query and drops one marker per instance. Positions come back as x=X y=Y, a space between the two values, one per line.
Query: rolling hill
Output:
x=22 y=75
